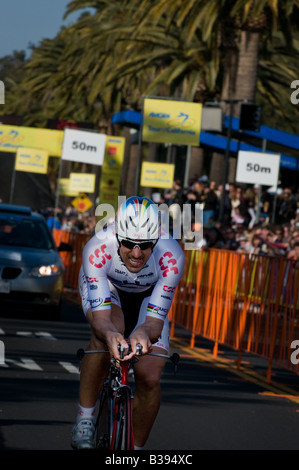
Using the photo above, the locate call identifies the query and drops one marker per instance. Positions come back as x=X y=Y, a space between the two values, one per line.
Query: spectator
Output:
x=230 y=242
x=294 y=253
x=243 y=246
x=175 y=194
x=286 y=207
x=256 y=245
x=226 y=203
x=53 y=221
x=211 y=204
x=198 y=189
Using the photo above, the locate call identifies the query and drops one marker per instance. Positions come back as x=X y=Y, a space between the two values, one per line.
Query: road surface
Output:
x=208 y=405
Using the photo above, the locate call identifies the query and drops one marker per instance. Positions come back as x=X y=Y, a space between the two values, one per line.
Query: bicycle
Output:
x=113 y=426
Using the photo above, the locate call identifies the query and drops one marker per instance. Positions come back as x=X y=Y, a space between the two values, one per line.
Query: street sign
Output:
x=258 y=168
x=82 y=203
x=83 y=146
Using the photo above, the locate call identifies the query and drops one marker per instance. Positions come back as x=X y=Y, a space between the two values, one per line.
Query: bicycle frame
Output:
x=114 y=429
x=123 y=399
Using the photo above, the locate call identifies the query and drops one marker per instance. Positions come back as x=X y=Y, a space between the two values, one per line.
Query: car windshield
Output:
x=16 y=230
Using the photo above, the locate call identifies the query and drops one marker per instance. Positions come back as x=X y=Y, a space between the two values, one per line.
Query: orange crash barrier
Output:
x=71 y=260
x=249 y=303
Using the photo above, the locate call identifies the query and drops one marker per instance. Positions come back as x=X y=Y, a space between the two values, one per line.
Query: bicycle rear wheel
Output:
x=104 y=421
x=122 y=432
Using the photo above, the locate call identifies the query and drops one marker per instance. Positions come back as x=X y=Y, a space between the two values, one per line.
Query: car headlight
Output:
x=46 y=270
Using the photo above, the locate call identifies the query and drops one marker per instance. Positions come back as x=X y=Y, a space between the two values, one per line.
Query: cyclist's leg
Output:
x=147 y=397
x=94 y=367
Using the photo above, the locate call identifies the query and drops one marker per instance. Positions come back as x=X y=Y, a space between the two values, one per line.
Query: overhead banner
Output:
x=174 y=122
x=111 y=170
x=157 y=175
x=14 y=137
x=82 y=182
x=83 y=146
x=258 y=168
x=32 y=160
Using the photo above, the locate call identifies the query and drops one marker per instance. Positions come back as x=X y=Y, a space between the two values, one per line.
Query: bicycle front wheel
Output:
x=122 y=432
x=104 y=421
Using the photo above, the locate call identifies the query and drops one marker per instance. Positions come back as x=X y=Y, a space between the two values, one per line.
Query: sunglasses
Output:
x=131 y=245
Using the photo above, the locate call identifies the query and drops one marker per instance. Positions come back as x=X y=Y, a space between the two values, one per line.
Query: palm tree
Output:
x=108 y=60
x=234 y=28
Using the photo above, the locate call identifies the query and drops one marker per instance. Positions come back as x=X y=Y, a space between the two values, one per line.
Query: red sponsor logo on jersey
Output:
x=167 y=263
x=91 y=279
x=98 y=258
x=168 y=289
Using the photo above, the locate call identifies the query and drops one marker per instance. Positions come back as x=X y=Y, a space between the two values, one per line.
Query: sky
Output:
x=29 y=21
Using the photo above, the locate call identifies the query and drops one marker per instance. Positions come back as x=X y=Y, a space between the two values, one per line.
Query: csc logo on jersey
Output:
x=98 y=258
x=168 y=289
x=167 y=264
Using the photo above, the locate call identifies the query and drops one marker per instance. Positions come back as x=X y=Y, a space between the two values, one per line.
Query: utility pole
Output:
x=226 y=158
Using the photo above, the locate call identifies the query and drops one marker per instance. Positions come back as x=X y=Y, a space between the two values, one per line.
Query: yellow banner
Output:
x=111 y=170
x=32 y=160
x=14 y=137
x=82 y=182
x=175 y=122
x=64 y=188
x=157 y=175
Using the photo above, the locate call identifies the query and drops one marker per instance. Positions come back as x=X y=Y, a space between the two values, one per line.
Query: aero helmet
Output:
x=138 y=218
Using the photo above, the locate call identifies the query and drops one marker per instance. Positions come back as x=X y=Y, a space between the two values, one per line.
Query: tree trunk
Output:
x=241 y=70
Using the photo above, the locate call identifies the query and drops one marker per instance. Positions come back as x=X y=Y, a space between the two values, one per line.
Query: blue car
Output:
x=31 y=269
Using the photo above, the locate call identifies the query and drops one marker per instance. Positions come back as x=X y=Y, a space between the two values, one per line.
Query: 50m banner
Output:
x=172 y=122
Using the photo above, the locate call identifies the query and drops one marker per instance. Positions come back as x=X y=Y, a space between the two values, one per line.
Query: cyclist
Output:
x=127 y=282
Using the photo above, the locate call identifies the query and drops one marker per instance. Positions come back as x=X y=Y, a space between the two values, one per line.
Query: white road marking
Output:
x=45 y=335
x=30 y=364
x=70 y=367
x=25 y=363
x=37 y=334
x=27 y=334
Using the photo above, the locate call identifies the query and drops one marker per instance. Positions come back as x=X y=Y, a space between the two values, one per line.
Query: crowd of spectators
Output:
x=70 y=220
x=252 y=222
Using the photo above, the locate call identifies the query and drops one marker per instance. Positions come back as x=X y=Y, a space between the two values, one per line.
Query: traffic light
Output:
x=250 y=117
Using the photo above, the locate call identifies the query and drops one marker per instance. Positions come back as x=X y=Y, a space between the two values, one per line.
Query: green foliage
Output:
x=124 y=49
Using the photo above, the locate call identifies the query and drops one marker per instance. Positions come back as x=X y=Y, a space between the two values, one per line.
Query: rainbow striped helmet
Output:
x=138 y=218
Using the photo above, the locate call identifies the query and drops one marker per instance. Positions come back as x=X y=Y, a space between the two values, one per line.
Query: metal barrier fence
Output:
x=249 y=303
x=72 y=260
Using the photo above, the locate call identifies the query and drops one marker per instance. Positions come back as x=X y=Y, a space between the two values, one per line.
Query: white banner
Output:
x=258 y=168
x=83 y=146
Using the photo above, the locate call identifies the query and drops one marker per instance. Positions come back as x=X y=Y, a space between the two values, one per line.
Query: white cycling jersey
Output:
x=103 y=269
